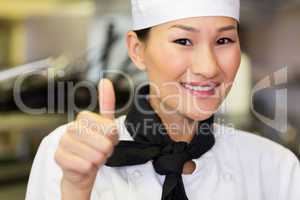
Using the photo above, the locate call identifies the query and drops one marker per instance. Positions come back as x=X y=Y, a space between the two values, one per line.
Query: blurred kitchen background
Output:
x=48 y=46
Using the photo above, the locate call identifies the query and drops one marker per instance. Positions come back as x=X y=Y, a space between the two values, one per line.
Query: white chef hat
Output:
x=148 y=13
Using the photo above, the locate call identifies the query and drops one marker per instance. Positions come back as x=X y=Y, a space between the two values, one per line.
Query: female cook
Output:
x=168 y=147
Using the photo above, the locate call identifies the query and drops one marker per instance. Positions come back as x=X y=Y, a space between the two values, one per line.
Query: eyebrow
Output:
x=227 y=28
x=192 y=29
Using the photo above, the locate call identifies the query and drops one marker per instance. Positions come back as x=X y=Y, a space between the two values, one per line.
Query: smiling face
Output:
x=190 y=63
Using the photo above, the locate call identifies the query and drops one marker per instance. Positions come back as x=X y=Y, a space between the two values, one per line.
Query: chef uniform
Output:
x=230 y=164
x=239 y=166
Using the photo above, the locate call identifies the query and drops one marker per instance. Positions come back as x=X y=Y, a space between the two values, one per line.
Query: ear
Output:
x=136 y=50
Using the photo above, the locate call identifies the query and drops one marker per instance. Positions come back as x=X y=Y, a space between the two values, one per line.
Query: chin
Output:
x=197 y=116
x=202 y=111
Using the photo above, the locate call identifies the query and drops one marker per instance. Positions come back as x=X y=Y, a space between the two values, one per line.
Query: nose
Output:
x=204 y=62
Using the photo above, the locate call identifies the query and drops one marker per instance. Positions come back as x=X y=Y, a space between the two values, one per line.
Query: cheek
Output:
x=229 y=61
x=166 y=63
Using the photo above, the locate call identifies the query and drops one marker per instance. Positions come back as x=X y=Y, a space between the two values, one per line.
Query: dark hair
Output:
x=143 y=34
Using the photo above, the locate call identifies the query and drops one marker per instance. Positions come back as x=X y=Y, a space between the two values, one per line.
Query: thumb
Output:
x=107 y=98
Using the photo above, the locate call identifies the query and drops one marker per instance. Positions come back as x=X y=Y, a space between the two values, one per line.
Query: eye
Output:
x=184 y=42
x=223 y=41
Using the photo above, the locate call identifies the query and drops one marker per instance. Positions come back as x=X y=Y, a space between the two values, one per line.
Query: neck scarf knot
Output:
x=153 y=144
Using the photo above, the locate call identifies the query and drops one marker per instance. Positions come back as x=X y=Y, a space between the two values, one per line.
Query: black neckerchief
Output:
x=152 y=143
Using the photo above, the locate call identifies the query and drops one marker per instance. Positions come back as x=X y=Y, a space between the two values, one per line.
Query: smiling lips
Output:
x=201 y=90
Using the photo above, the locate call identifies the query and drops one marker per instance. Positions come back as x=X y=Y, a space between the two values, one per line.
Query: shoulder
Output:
x=258 y=162
x=48 y=183
x=251 y=149
x=245 y=141
x=54 y=137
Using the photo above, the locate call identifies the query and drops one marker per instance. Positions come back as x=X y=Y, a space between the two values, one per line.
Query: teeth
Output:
x=198 y=88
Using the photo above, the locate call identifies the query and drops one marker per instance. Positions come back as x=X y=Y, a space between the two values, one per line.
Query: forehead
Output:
x=201 y=23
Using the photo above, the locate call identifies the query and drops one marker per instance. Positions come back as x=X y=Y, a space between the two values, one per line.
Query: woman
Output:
x=167 y=146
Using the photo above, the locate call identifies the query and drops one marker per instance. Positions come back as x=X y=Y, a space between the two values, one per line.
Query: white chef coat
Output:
x=240 y=166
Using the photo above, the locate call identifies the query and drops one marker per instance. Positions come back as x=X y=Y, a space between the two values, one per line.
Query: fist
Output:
x=87 y=143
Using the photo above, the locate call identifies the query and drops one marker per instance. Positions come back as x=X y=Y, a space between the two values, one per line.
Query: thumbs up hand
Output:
x=86 y=145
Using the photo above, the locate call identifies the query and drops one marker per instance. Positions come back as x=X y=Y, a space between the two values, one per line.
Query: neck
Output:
x=178 y=126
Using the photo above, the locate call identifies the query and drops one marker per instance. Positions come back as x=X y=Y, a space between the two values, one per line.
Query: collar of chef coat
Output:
x=219 y=130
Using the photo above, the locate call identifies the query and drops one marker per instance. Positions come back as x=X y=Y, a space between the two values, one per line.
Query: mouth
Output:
x=200 y=90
